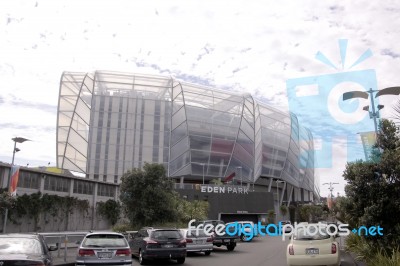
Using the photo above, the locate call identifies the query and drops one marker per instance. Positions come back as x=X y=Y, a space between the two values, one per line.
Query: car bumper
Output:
x=199 y=248
x=329 y=259
x=103 y=262
x=225 y=241
x=164 y=253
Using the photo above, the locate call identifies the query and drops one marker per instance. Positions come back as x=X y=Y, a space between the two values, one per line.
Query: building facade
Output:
x=111 y=122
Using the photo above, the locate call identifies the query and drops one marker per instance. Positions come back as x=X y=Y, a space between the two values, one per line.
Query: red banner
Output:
x=14 y=180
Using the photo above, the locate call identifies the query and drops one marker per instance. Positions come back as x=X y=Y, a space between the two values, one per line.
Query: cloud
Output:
x=390 y=53
x=235 y=45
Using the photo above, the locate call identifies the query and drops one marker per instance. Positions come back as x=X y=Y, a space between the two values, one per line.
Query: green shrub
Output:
x=121 y=228
x=360 y=247
x=381 y=258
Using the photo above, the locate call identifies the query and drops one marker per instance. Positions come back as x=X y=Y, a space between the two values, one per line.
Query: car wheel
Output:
x=142 y=261
x=207 y=253
x=242 y=238
x=181 y=260
x=218 y=245
x=231 y=247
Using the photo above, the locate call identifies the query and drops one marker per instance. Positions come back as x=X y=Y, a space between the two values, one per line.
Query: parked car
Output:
x=155 y=243
x=287 y=229
x=313 y=247
x=25 y=249
x=104 y=248
x=248 y=227
x=222 y=239
x=198 y=242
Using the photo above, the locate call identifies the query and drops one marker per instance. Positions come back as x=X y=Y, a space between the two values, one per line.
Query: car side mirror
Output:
x=52 y=248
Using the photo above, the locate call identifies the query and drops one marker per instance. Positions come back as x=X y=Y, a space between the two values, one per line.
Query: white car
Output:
x=312 y=245
x=247 y=227
x=198 y=241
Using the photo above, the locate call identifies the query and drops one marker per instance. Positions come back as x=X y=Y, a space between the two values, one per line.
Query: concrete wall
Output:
x=235 y=203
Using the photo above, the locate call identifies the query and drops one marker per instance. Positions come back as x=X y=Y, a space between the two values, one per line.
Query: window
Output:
x=54 y=183
x=106 y=190
x=83 y=187
x=28 y=180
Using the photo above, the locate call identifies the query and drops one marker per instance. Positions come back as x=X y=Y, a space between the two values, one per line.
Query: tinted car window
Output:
x=104 y=240
x=316 y=234
x=20 y=245
x=165 y=234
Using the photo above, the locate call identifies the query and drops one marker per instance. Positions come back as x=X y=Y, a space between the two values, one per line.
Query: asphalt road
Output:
x=261 y=251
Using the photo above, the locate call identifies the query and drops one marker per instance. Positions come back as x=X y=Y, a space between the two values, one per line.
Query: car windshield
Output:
x=165 y=234
x=311 y=233
x=14 y=245
x=104 y=240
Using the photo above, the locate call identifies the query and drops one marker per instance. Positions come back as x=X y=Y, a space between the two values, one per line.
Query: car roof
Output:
x=16 y=235
x=103 y=233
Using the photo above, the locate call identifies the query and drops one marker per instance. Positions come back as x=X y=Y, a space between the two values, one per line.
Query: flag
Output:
x=368 y=140
x=229 y=177
x=14 y=180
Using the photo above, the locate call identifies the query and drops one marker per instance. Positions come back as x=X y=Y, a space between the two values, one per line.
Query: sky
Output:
x=257 y=47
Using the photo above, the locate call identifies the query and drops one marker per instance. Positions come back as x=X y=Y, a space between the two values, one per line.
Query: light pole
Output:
x=241 y=177
x=362 y=94
x=331 y=187
x=15 y=150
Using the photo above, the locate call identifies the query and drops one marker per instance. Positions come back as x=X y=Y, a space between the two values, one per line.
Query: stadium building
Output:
x=111 y=122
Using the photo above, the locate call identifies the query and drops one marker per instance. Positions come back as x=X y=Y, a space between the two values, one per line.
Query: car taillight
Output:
x=209 y=239
x=189 y=240
x=333 y=248
x=152 y=244
x=86 y=252
x=123 y=252
x=182 y=243
x=291 y=250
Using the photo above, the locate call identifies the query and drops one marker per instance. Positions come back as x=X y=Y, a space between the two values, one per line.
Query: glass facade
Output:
x=111 y=122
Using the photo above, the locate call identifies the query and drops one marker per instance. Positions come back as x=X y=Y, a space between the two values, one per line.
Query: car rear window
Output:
x=315 y=234
x=195 y=233
x=165 y=234
x=104 y=240
x=19 y=245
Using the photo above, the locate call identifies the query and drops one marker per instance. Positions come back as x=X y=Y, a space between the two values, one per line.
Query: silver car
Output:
x=198 y=242
x=104 y=248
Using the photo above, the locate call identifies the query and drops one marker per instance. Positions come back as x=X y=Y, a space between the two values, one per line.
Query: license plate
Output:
x=226 y=240
x=199 y=241
x=168 y=246
x=312 y=251
x=104 y=255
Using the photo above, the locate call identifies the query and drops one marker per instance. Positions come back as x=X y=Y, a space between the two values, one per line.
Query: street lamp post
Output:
x=15 y=150
x=331 y=187
x=362 y=94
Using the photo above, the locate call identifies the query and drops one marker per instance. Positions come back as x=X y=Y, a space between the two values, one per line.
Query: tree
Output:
x=284 y=210
x=373 y=189
x=110 y=210
x=147 y=196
